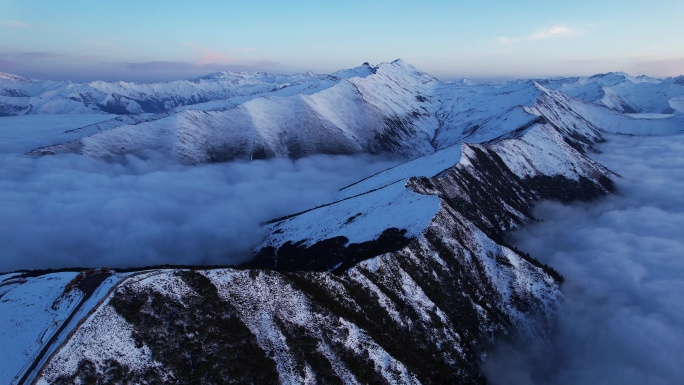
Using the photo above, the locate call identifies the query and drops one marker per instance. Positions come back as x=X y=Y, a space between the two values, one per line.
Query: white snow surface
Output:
x=107 y=335
x=475 y=113
x=617 y=123
x=541 y=151
x=89 y=306
x=19 y=134
x=428 y=166
x=622 y=92
x=344 y=117
x=359 y=219
x=39 y=97
x=31 y=311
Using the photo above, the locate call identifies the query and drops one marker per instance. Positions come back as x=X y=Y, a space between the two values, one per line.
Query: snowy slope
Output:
x=428 y=166
x=92 y=337
x=45 y=130
x=608 y=120
x=372 y=114
x=32 y=310
x=624 y=93
x=361 y=218
x=393 y=108
x=481 y=112
x=20 y=96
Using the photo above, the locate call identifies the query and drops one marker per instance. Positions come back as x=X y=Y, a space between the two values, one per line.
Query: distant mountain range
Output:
x=389 y=108
x=406 y=279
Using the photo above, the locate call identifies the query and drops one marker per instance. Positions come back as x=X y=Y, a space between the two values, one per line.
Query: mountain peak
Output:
x=401 y=63
x=397 y=63
x=610 y=78
x=362 y=71
x=214 y=76
x=400 y=66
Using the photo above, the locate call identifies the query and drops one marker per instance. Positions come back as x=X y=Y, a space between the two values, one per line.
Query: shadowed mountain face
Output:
x=407 y=277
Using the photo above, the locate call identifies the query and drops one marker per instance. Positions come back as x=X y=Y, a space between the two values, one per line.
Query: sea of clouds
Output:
x=622 y=318
x=73 y=210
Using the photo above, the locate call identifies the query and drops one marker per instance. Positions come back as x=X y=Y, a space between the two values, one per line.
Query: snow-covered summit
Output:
x=362 y=71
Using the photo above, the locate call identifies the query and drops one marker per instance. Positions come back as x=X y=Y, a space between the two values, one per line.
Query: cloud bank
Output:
x=245 y=65
x=79 y=66
x=664 y=67
x=622 y=320
x=72 y=210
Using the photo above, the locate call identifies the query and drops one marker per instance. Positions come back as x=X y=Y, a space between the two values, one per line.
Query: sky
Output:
x=81 y=40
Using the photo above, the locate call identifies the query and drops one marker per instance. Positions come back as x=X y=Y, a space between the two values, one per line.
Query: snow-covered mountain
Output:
x=381 y=112
x=406 y=278
x=19 y=96
x=625 y=93
x=390 y=108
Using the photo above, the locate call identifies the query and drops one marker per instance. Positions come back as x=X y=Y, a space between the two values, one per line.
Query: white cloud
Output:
x=555 y=32
x=504 y=40
x=662 y=67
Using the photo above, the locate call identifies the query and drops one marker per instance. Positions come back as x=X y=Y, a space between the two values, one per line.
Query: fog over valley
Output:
x=147 y=209
x=623 y=261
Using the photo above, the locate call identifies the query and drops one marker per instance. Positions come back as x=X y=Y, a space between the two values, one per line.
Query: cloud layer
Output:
x=244 y=65
x=80 y=66
x=622 y=321
x=73 y=210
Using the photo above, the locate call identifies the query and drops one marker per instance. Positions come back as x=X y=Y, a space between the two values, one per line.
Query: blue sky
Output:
x=159 y=40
